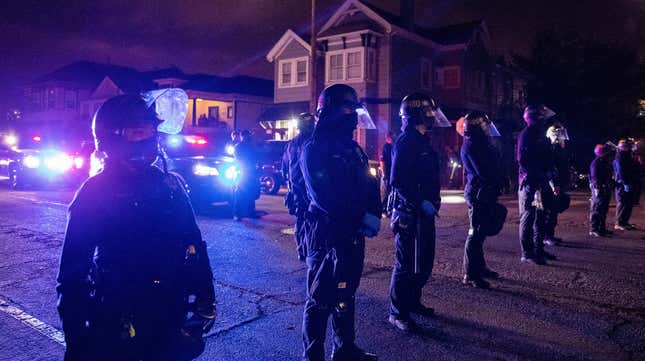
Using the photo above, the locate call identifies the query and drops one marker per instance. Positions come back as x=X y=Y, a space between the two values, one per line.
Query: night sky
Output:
x=233 y=37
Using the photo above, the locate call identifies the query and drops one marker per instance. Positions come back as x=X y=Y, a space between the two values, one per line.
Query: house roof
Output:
x=285 y=39
x=90 y=75
x=238 y=84
x=282 y=111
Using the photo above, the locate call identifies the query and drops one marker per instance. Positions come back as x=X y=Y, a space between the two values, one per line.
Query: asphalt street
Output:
x=587 y=305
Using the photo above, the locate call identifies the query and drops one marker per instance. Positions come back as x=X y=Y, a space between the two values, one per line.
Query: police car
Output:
x=203 y=165
x=37 y=161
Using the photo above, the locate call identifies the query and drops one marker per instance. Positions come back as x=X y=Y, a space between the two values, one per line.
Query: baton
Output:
x=417 y=246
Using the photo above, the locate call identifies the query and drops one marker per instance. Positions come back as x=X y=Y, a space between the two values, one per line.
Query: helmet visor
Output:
x=364 y=119
x=440 y=119
x=492 y=130
x=171 y=107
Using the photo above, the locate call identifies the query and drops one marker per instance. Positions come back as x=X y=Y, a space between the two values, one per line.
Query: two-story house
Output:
x=68 y=97
x=384 y=57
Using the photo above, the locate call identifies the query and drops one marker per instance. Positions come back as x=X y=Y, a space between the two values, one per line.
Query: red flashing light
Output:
x=36 y=138
x=196 y=140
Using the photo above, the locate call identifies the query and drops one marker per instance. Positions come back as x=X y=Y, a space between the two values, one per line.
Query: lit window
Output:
x=336 y=67
x=451 y=77
x=286 y=73
x=301 y=71
x=229 y=112
x=354 y=65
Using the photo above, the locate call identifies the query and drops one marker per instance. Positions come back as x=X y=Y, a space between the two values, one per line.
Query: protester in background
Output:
x=386 y=164
x=247 y=189
x=626 y=180
x=601 y=183
x=558 y=137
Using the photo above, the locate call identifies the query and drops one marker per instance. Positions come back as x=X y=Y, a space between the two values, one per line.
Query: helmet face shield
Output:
x=492 y=130
x=171 y=107
x=364 y=119
x=440 y=119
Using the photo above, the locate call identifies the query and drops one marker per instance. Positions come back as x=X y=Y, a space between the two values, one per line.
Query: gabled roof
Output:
x=89 y=75
x=166 y=73
x=447 y=35
x=287 y=38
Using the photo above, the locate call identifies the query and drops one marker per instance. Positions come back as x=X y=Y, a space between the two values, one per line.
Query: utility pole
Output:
x=312 y=62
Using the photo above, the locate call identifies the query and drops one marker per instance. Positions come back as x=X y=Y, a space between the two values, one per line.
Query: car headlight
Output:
x=231 y=173
x=59 y=162
x=230 y=150
x=31 y=161
x=204 y=170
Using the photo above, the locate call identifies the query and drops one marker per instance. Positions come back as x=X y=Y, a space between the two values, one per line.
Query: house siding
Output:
x=291 y=94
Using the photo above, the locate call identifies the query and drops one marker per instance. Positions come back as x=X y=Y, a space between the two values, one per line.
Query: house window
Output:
x=70 y=99
x=336 y=67
x=426 y=73
x=293 y=72
x=345 y=65
x=301 y=71
x=51 y=99
x=451 y=77
x=285 y=79
x=229 y=112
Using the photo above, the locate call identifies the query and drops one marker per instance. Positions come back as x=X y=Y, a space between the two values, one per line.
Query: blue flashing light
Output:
x=231 y=174
x=174 y=140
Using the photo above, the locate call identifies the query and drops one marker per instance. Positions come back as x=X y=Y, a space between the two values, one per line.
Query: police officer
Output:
x=247 y=189
x=345 y=207
x=536 y=170
x=483 y=186
x=601 y=183
x=415 y=183
x=133 y=260
x=626 y=178
x=558 y=136
x=297 y=200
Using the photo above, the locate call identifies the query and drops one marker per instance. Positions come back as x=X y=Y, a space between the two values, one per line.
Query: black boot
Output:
x=352 y=353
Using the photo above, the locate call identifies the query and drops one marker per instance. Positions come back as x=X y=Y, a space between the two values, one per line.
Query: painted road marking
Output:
x=48 y=331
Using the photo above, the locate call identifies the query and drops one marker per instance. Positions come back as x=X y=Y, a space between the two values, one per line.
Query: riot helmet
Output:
x=625 y=145
x=126 y=127
x=537 y=114
x=557 y=134
x=604 y=149
x=478 y=124
x=340 y=111
x=419 y=108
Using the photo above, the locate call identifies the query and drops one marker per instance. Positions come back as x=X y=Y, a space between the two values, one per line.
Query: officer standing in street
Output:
x=535 y=194
x=133 y=262
x=483 y=186
x=626 y=179
x=385 y=161
x=601 y=183
x=345 y=207
x=415 y=183
x=297 y=200
x=247 y=189
x=558 y=136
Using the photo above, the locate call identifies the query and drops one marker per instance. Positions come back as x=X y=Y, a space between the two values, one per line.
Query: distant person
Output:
x=297 y=200
x=386 y=164
x=601 y=182
x=536 y=170
x=626 y=179
x=133 y=255
x=247 y=189
x=558 y=137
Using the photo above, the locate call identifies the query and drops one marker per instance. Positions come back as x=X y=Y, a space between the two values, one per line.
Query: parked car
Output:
x=37 y=162
x=270 y=163
x=207 y=172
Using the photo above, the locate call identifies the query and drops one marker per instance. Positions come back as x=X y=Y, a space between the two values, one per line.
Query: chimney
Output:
x=407 y=14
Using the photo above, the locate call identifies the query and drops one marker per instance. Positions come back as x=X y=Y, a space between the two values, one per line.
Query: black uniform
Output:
x=414 y=178
x=536 y=169
x=386 y=158
x=125 y=267
x=248 y=185
x=341 y=191
x=626 y=179
x=297 y=200
x=561 y=178
x=601 y=183
x=484 y=180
